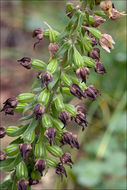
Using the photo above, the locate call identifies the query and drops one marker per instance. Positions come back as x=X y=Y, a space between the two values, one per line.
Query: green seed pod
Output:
x=71 y=109
x=51 y=162
x=66 y=90
x=78 y=59
x=65 y=79
x=53 y=35
x=37 y=64
x=57 y=124
x=44 y=97
x=30 y=137
x=54 y=150
x=88 y=61
x=39 y=150
x=95 y=32
x=46 y=33
x=100 y=13
x=11 y=131
x=46 y=121
x=59 y=103
x=20 y=107
x=12 y=150
x=21 y=170
x=25 y=97
x=52 y=66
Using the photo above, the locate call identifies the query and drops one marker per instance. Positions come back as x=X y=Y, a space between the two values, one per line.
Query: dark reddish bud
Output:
x=60 y=170
x=95 y=53
x=38 y=33
x=99 y=68
x=81 y=109
x=2 y=155
x=80 y=119
x=66 y=159
x=53 y=48
x=76 y=91
x=82 y=73
x=25 y=62
x=39 y=74
x=2 y=132
x=69 y=138
x=93 y=40
x=24 y=150
x=46 y=79
x=22 y=184
x=64 y=116
x=50 y=134
x=97 y=2
x=33 y=181
x=9 y=104
x=98 y=20
x=38 y=110
x=40 y=165
x=91 y=92
x=69 y=14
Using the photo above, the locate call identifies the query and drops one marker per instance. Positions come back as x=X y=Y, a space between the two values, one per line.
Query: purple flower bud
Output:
x=76 y=91
x=80 y=119
x=69 y=138
x=81 y=109
x=53 y=48
x=98 y=20
x=46 y=79
x=50 y=134
x=39 y=74
x=38 y=33
x=22 y=184
x=64 y=116
x=60 y=170
x=2 y=155
x=82 y=73
x=25 y=62
x=95 y=53
x=99 y=68
x=24 y=150
x=40 y=165
x=66 y=159
x=106 y=42
x=91 y=92
x=38 y=110
x=9 y=104
x=93 y=40
x=2 y=132
x=33 y=181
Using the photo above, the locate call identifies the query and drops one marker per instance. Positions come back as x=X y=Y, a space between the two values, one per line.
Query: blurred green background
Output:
x=101 y=161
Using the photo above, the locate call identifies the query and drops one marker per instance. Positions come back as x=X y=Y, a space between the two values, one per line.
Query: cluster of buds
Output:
x=72 y=55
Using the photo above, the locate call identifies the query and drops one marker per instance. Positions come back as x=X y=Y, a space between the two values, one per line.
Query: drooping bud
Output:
x=60 y=170
x=81 y=109
x=50 y=134
x=2 y=155
x=106 y=42
x=24 y=150
x=98 y=20
x=76 y=91
x=46 y=79
x=80 y=119
x=9 y=104
x=38 y=33
x=40 y=165
x=69 y=138
x=38 y=75
x=53 y=48
x=66 y=159
x=33 y=181
x=39 y=110
x=2 y=132
x=64 y=116
x=95 y=53
x=82 y=73
x=99 y=68
x=22 y=184
x=91 y=93
x=116 y=14
x=106 y=6
x=25 y=62
x=93 y=40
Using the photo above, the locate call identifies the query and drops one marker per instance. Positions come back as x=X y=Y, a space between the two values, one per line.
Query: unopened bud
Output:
x=66 y=159
x=93 y=40
x=38 y=33
x=50 y=134
x=76 y=91
x=60 y=170
x=2 y=132
x=80 y=119
x=91 y=93
x=33 y=181
x=46 y=79
x=98 y=20
x=99 y=68
x=2 y=155
x=25 y=62
x=106 y=42
x=22 y=184
x=64 y=116
x=53 y=48
x=81 y=109
x=9 y=104
x=39 y=110
x=69 y=138
x=40 y=165
x=95 y=53
x=24 y=150
x=82 y=73
x=38 y=75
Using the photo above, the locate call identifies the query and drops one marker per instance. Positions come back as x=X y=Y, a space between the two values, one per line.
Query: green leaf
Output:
x=37 y=64
x=26 y=118
x=25 y=97
x=88 y=61
x=55 y=79
x=6 y=185
x=95 y=32
x=63 y=49
x=6 y=162
x=31 y=127
x=27 y=108
x=20 y=107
